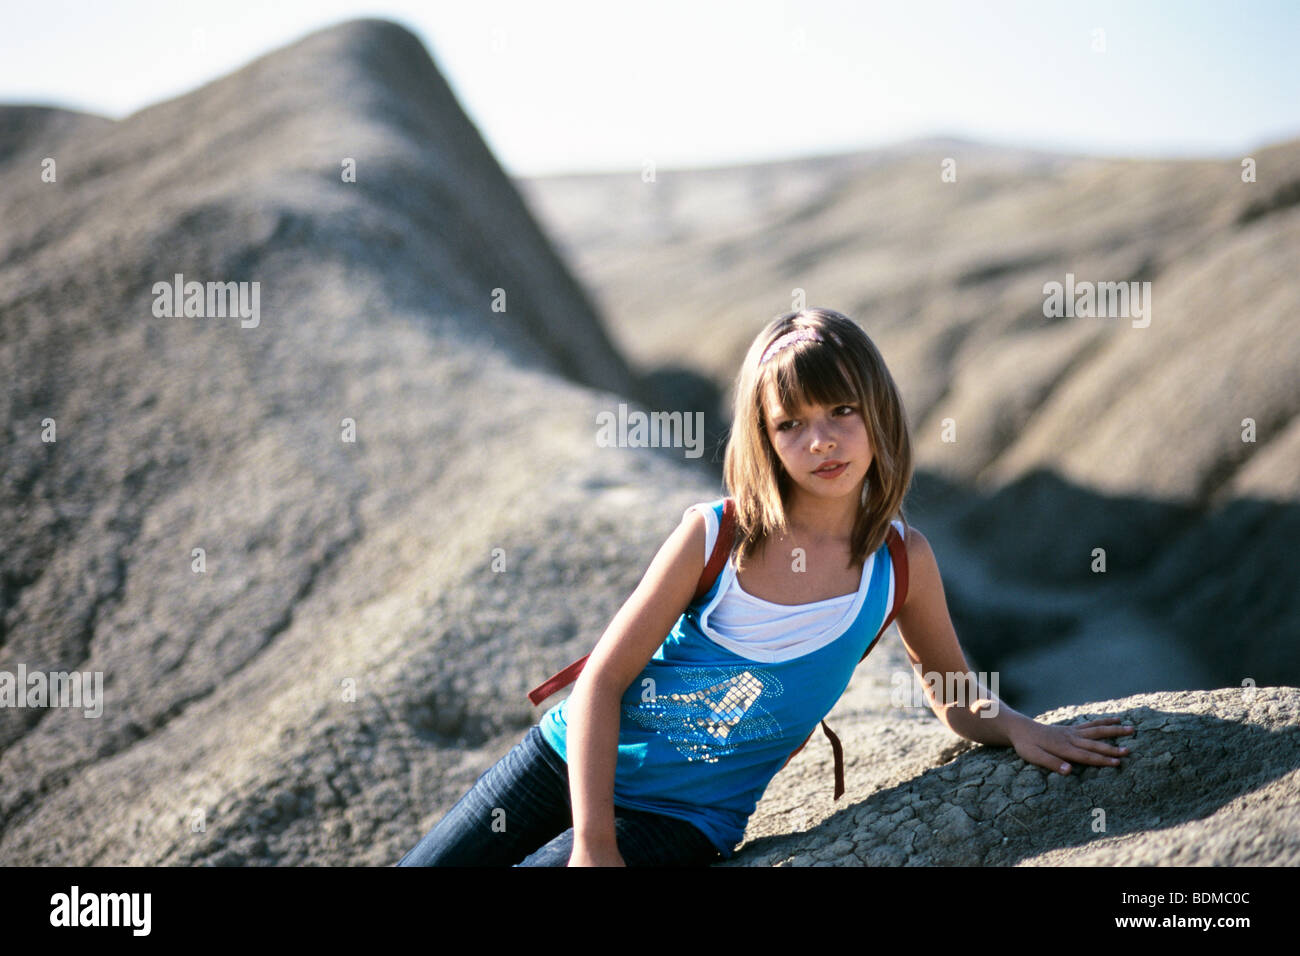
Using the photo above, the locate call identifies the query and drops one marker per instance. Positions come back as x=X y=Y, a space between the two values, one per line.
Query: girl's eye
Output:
x=791 y=422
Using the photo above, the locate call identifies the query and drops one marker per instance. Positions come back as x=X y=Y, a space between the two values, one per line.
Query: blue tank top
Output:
x=703 y=730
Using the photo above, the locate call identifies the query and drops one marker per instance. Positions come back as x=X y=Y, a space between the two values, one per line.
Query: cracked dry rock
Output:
x=1243 y=754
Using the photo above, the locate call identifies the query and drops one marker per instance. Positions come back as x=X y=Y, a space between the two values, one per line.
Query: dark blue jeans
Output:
x=519 y=814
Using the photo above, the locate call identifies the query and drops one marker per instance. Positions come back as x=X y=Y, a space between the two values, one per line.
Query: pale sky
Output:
x=571 y=85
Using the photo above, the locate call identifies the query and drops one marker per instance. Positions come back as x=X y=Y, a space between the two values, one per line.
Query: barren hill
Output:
x=330 y=567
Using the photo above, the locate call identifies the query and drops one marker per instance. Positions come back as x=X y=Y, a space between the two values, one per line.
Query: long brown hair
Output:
x=843 y=367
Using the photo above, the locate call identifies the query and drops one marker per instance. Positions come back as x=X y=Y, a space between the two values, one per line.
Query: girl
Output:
x=665 y=746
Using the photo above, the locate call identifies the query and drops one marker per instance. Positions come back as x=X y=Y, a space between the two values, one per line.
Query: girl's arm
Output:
x=968 y=708
x=632 y=637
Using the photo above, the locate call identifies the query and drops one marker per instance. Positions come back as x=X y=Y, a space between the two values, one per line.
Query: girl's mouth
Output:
x=832 y=472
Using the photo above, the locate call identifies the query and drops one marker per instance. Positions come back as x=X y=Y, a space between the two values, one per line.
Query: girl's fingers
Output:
x=1048 y=761
x=1099 y=733
x=1105 y=750
x=1074 y=754
x=1080 y=745
x=1067 y=756
x=1110 y=730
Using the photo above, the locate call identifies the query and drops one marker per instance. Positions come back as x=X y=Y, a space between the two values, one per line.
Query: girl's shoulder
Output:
x=711 y=513
x=714 y=505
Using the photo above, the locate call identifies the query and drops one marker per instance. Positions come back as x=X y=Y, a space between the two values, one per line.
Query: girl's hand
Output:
x=604 y=854
x=1053 y=746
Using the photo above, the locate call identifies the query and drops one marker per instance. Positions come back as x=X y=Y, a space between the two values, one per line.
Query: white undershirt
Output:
x=764 y=631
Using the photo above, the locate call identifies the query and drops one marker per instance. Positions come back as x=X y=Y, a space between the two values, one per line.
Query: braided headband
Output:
x=790 y=338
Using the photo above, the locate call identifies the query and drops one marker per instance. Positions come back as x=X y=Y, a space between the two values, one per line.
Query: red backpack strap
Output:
x=557 y=680
x=898 y=558
x=721 y=549
x=718 y=557
x=836 y=749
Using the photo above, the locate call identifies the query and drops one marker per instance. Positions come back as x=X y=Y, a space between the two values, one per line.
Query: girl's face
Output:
x=809 y=437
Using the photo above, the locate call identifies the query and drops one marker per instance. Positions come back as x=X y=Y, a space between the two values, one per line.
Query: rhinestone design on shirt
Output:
x=711 y=721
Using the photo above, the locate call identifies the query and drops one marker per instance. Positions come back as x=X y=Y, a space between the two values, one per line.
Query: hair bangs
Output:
x=813 y=375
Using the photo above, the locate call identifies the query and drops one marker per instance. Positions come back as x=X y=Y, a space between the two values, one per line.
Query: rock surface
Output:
x=1213 y=778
